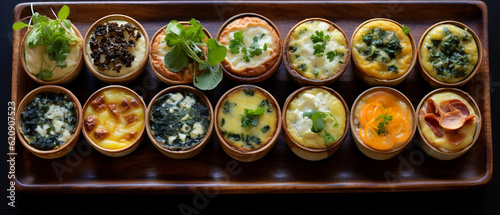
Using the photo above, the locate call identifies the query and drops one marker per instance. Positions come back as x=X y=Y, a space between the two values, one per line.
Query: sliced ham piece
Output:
x=454 y=104
x=432 y=121
x=454 y=137
x=452 y=120
x=432 y=108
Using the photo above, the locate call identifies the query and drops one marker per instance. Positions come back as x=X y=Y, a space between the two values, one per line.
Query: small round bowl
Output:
x=431 y=149
x=302 y=80
x=437 y=83
x=188 y=153
x=245 y=155
x=132 y=75
x=375 y=153
x=158 y=73
x=66 y=147
x=302 y=151
x=122 y=151
x=374 y=81
x=265 y=75
x=71 y=76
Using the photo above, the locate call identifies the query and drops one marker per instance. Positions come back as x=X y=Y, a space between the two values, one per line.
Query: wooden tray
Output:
x=85 y=170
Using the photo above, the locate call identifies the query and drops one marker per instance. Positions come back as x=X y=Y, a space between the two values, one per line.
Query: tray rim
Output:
x=279 y=187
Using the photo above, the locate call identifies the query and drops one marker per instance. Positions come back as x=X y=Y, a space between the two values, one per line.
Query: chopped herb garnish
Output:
x=392 y=68
x=332 y=54
x=381 y=127
x=406 y=30
x=248 y=92
x=378 y=41
x=251 y=117
x=237 y=45
x=265 y=129
x=303 y=67
x=319 y=124
x=227 y=107
x=319 y=40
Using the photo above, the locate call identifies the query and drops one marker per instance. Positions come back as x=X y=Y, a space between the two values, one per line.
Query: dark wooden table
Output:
x=478 y=200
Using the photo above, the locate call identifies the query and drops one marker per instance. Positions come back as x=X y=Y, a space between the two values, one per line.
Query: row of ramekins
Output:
x=283 y=53
x=351 y=121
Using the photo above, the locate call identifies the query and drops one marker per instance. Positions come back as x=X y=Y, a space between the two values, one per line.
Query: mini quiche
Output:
x=317 y=49
x=116 y=49
x=381 y=50
x=254 y=47
x=447 y=121
x=248 y=118
x=179 y=120
x=329 y=118
x=49 y=120
x=382 y=122
x=159 y=49
x=52 y=50
x=449 y=53
x=114 y=118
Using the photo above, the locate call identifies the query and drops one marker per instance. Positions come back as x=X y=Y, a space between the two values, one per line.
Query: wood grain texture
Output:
x=85 y=170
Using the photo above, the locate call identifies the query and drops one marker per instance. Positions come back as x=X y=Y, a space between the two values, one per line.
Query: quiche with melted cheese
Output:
x=114 y=118
x=253 y=46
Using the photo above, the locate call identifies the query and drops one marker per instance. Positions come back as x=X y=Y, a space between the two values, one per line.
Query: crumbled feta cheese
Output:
x=185 y=117
x=187 y=103
x=197 y=130
x=174 y=99
x=171 y=139
x=182 y=137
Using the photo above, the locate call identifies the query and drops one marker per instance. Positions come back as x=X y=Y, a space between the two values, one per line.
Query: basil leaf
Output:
x=63 y=13
x=208 y=79
x=216 y=52
x=19 y=25
x=176 y=59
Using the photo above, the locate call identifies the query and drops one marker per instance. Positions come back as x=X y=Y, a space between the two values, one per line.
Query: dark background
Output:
x=483 y=200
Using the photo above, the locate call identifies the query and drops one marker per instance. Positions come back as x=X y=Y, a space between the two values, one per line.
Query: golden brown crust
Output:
x=240 y=24
x=184 y=76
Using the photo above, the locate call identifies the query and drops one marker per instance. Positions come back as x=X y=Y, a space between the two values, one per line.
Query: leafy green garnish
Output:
x=319 y=39
x=237 y=45
x=185 y=41
x=332 y=54
x=265 y=129
x=251 y=117
x=406 y=30
x=53 y=35
x=227 y=107
x=381 y=127
x=319 y=124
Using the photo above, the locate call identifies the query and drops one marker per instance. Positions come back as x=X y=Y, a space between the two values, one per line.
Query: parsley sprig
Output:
x=250 y=117
x=237 y=45
x=185 y=41
x=53 y=36
x=319 y=39
x=319 y=124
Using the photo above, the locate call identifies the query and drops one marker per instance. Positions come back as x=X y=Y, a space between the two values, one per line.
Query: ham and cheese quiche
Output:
x=253 y=46
x=317 y=49
x=114 y=118
x=382 y=50
x=448 y=121
x=159 y=49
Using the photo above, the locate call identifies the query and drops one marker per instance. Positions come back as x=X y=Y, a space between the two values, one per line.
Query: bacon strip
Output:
x=459 y=105
x=432 y=121
x=432 y=108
